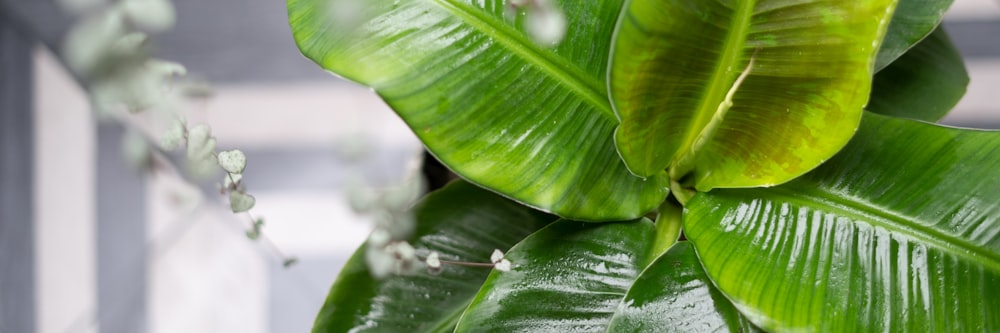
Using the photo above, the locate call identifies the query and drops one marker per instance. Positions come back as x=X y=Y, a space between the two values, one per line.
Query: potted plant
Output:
x=687 y=165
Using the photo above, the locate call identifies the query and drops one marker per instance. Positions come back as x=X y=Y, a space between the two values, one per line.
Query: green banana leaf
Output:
x=924 y=84
x=912 y=21
x=900 y=232
x=582 y=277
x=533 y=123
x=675 y=295
x=461 y=222
x=741 y=93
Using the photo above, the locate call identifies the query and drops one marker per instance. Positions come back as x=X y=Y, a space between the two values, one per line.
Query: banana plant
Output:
x=673 y=166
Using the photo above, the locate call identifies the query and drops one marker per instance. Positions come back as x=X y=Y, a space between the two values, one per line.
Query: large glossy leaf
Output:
x=530 y=122
x=925 y=83
x=461 y=222
x=741 y=93
x=674 y=294
x=568 y=277
x=912 y=21
x=576 y=277
x=898 y=233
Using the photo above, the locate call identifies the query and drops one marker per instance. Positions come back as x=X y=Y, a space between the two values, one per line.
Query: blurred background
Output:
x=88 y=244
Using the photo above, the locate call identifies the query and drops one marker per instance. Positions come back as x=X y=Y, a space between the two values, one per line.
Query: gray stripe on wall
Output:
x=973 y=38
x=121 y=237
x=17 y=254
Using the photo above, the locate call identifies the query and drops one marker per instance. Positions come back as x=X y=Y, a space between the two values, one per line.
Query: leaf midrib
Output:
x=448 y=323
x=836 y=202
x=571 y=76
x=721 y=82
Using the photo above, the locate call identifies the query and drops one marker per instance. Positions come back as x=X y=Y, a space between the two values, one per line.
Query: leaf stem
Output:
x=668 y=227
x=681 y=193
x=467 y=264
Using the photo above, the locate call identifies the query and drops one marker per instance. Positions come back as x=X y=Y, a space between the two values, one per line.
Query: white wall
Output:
x=64 y=201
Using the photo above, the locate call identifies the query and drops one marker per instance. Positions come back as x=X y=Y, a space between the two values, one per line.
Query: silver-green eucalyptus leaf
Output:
x=241 y=202
x=233 y=161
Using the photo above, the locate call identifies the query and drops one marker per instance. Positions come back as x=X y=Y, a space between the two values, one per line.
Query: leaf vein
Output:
x=894 y=223
x=575 y=79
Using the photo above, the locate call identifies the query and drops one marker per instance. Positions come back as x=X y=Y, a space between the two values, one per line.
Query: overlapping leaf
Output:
x=568 y=277
x=580 y=277
x=741 y=93
x=674 y=294
x=898 y=233
x=911 y=22
x=924 y=84
x=530 y=122
x=461 y=222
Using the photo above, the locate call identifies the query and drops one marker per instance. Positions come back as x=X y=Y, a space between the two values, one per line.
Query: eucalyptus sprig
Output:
x=109 y=50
